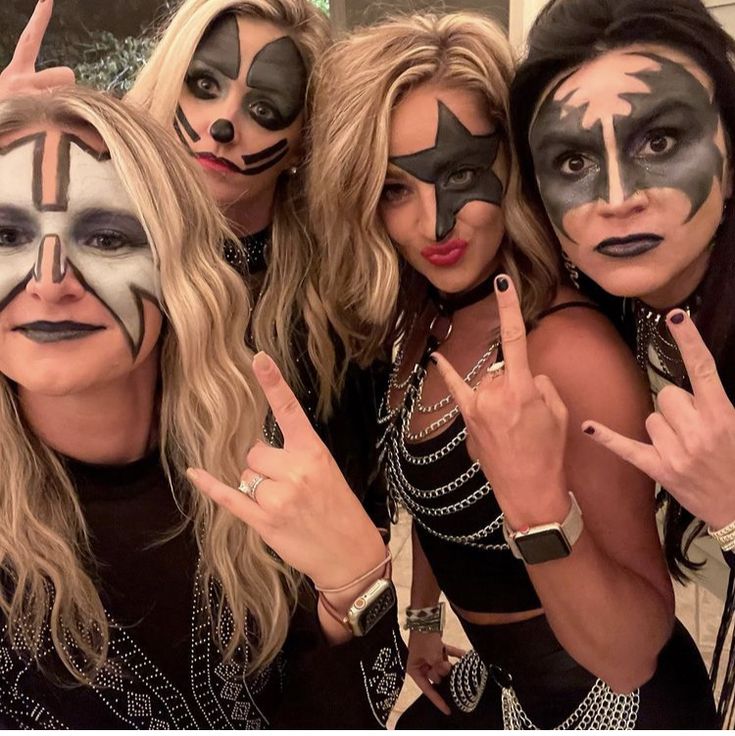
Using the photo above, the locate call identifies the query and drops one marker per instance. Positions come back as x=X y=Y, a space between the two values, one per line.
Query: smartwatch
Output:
x=367 y=609
x=546 y=542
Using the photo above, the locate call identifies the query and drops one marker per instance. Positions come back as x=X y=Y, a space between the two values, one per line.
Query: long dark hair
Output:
x=568 y=33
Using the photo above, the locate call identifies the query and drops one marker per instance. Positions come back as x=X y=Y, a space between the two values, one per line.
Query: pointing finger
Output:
x=512 y=330
x=296 y=428
x=641 y=455
x=29 y=43
x=229 y=498
x=698 y=361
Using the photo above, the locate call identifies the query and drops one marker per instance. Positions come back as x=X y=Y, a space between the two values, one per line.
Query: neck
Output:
x=107 y=424
x=680 y=287
x=250 y=216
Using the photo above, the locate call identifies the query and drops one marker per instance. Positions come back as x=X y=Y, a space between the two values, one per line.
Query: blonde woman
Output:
x=545 y=547
x=122 y=364
x=230 y=77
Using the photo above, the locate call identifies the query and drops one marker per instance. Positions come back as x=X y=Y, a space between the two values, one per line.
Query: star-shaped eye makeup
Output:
x=460 y=167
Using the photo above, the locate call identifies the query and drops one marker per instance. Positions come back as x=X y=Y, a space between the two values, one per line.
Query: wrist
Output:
x=533 y=509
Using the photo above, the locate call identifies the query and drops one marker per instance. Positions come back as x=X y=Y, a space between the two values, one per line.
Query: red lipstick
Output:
x=215 y=163
x=445 y=254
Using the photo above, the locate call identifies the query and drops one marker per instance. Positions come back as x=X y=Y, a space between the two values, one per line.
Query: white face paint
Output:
x=63 y=207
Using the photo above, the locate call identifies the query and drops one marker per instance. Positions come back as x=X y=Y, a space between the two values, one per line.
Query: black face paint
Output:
x=222 y=131
x=667 y=140
x=219 y=48
x=456 y=153
x=277 y=77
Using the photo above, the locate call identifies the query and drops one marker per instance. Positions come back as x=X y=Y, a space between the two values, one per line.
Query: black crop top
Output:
x=456 y=516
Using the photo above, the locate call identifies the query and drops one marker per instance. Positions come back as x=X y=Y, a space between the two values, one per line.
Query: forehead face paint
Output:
x=63 y=207
x=651 y=124
x=456 y=151
x=271 y=91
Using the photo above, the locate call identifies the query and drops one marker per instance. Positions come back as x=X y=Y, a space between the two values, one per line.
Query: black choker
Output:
x=448 y=304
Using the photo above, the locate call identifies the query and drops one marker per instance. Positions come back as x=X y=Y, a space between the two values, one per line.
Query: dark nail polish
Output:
x=433 y=359
x=589 y=430
x=677 y=318
x=502 y=283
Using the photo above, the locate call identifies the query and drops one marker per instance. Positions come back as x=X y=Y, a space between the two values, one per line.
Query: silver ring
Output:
x=251 y=487
x=496 y=369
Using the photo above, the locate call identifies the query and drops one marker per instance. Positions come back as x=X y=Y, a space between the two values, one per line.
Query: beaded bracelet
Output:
x=725 y=537
x=425 y=620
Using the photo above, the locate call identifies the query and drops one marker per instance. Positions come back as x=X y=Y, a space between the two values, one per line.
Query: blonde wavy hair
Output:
x=209 y=414
x=290 y=287
x=356 y=86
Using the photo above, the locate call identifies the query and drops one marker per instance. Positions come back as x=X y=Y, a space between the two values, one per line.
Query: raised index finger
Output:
x=512 y=330
x=698 y=361
x=296 y=428
x=29 y=43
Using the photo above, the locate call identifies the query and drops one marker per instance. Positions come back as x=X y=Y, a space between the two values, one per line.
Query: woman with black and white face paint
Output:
x=129 y=599
x=230 y=78
x=624 y=119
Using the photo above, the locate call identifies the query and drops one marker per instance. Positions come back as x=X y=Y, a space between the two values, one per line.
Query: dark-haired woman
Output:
x=624 y=114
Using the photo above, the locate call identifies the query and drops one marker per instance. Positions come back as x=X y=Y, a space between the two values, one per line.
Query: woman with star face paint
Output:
x=128 y=599
x=624 y=120
x=231 y=76
x=511 y=506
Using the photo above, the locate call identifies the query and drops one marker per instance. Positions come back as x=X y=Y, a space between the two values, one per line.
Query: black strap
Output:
x=568 y=305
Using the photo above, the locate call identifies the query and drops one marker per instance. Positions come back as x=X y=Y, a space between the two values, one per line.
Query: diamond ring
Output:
x=251 y=487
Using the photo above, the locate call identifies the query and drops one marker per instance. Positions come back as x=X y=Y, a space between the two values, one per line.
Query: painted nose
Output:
x=222 y=131
x=52 y=279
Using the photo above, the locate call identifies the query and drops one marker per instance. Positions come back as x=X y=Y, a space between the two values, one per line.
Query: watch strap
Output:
x=571 y=528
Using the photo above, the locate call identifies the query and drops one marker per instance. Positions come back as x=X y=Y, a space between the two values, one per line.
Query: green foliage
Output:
x=322 y=5
x=111 y=63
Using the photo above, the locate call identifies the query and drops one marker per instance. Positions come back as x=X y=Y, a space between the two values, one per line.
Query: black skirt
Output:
x=550 y=685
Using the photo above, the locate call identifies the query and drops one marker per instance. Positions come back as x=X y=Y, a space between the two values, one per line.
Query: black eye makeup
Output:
x=264 y=112
x=109 y=231
x=203 y=82
x=17 y=228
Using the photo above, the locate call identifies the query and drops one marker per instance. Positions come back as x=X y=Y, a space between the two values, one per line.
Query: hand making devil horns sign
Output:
x=302 y=508
x=516 y=422
x=20 y=76
x=692 y=450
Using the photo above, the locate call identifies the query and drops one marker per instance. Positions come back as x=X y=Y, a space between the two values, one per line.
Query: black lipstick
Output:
x=44 y=331
x=629 y=246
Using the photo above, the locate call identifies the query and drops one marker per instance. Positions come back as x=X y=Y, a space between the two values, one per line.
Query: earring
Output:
x=571 y=269
x=293 y=170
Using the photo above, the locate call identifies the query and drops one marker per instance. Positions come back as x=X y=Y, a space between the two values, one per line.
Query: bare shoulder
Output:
x=585 y=357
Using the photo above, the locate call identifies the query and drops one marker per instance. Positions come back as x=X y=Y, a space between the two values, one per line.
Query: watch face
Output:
x=379 y=600
x=543 y=546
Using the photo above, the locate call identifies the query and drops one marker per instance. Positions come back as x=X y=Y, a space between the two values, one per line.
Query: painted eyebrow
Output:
x=16 y=216
x=89 y=220
x=200 y=64
x=584 y=138
x=664 y=107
